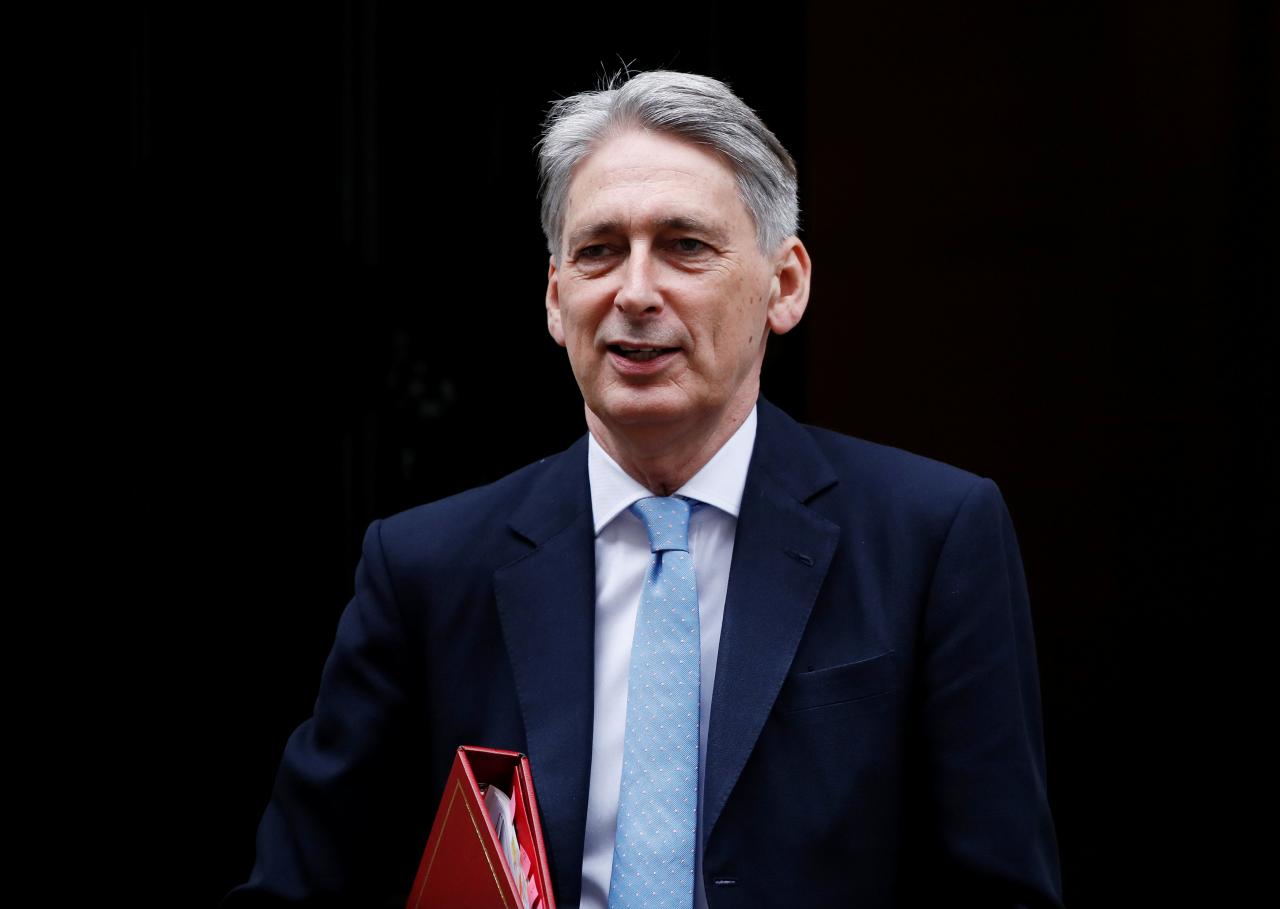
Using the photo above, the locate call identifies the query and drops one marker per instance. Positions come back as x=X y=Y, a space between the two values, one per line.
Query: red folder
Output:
x=463 y=866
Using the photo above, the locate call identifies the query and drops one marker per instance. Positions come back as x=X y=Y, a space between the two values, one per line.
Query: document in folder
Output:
x=470 y=861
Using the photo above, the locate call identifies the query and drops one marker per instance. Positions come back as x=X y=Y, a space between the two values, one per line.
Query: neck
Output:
x=662 y=458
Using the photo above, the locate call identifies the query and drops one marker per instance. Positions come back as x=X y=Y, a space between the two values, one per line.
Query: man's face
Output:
x=662 y=296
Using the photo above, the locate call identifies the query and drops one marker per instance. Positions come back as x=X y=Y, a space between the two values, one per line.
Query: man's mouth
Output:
x=640 y=354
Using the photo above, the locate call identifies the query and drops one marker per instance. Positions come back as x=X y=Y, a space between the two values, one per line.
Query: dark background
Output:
x=1045 y=251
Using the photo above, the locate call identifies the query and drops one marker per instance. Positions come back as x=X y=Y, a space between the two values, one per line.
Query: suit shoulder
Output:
x=465 y=519
x=890 y=476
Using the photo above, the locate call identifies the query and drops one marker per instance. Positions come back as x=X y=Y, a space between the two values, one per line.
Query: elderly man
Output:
x=753 y=663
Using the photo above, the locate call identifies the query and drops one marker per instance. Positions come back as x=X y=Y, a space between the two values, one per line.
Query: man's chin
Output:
x=637 y=410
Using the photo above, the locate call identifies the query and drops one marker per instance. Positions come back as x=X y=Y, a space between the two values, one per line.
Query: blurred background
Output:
x=1045 y=250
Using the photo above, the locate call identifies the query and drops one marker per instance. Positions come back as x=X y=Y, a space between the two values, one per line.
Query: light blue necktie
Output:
x=653 y=852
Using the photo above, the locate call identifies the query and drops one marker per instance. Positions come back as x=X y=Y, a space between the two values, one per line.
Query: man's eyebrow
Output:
x=707 y=229
x=594 y=229
x=693 y=225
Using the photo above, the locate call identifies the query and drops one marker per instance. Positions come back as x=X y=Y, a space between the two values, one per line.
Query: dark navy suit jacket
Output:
x=875 y=732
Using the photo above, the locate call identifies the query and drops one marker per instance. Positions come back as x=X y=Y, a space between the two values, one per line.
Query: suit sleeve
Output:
x=988 y=826
x=345 y=822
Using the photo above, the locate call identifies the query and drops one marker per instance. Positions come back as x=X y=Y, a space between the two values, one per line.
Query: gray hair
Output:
x=698 y=109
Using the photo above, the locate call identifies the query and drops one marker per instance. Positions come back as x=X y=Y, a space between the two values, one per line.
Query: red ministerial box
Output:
x=463 y=865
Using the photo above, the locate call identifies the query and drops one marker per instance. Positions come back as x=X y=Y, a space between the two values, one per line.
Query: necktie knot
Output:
x=666 y=518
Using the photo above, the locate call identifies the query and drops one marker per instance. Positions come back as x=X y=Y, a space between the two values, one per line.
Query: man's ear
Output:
x=553 y=304
x=792 y=272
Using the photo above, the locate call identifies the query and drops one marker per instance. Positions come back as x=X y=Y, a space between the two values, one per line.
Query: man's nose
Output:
x=639 y=291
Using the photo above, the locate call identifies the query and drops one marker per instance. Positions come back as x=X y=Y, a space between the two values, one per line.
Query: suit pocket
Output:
x=838 y=684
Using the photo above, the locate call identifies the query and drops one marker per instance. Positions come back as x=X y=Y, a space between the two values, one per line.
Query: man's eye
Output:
x=689 y=245
x=593 y=252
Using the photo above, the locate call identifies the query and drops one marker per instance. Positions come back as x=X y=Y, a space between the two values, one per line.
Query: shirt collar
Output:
x=720 y=481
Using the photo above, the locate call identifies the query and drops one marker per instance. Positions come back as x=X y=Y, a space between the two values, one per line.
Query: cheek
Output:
x=743 y=319
x=571 y=319
x=580 y=337
x=741 y=301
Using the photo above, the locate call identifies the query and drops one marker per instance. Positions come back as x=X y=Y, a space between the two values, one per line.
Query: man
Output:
x=822 y=644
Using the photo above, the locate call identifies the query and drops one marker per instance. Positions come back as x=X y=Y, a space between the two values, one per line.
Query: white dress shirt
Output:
x=622 y=559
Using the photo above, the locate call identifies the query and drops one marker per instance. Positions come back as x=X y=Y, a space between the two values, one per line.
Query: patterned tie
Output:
x=653 y=852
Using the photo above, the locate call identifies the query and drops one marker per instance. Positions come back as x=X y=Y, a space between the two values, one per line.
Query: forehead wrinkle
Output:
x=636 y=170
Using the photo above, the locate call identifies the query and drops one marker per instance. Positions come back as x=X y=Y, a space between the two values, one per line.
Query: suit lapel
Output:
x=546 y=604
x=781 y=553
